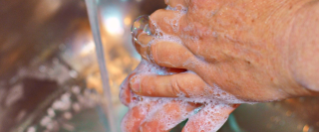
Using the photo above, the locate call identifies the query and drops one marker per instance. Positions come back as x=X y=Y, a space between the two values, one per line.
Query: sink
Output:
x=290 y=115
x=50 y=80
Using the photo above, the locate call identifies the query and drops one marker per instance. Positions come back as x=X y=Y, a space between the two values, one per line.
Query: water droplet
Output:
x=140 y=24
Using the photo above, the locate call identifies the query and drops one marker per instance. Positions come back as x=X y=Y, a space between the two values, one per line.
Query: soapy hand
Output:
x=240 y=47
x=217 y=53
x=147 y=114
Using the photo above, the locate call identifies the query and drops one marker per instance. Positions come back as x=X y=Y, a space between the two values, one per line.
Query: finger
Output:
x=127 y=97
x=166 y=53
x=135 y=116
x=168 y=116
x=178 y=5
x=209 y=119
x=171 y=54
x=182 y=84
x=166 y=21
x=125 y=92
x=174 y=3
x=139 y=108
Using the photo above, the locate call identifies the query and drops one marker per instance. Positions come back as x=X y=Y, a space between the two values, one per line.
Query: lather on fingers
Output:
x=145 y=114
x=176 y=3
x=167 y=116
x=135 y=117
x=165 y=53
x=157 y=116
x=167 y=21
x=186 y=84
x=163 y=114
x=209 y=119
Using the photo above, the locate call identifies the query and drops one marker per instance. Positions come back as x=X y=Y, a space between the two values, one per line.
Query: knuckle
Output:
x=165 y=21
x=177 y=87
x=177 y=4
x=152 y=53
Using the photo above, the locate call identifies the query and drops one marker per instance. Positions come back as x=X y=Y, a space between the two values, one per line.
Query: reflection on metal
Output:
x=46 y=8
x=113 y=26
x=87 y=48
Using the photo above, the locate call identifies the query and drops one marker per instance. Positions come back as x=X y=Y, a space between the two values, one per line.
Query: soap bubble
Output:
x=140 y=24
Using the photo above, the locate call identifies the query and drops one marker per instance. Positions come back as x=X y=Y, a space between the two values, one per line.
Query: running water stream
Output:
x=94 y=22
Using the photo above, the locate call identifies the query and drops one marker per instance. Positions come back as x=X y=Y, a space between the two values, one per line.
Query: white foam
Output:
x=217 y=94
x=178 y=7
x=208 y=119
x=213 y=104
x=214 y=98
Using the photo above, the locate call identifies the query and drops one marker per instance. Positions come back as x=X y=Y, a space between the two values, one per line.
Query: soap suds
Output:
x=211 y=114
x=216 y=103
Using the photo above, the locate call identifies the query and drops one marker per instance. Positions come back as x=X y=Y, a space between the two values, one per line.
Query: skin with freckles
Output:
x=243 y=47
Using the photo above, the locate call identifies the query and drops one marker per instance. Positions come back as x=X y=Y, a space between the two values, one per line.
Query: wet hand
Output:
x=240 y=47
x=147 y=114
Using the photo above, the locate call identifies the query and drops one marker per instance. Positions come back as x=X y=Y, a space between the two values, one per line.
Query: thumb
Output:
x=176 y=85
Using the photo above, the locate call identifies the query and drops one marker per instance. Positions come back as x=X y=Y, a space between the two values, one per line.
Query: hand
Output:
x=162 y=114
x=240 y=47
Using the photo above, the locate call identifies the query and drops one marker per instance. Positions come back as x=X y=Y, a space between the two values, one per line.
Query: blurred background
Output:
x=50 y=79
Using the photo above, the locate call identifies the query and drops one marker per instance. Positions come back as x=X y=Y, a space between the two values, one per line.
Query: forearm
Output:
x=304 y=46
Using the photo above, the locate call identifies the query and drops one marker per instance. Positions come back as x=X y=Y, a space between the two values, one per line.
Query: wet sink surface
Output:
x=291 y=115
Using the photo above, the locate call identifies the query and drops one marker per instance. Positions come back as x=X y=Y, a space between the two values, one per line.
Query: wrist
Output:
x=304 y=46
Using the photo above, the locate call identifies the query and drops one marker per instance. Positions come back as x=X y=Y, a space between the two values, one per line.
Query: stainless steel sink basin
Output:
x=50 y=81
x=291 y=115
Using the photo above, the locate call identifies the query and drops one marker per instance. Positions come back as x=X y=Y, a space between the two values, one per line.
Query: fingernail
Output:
x=135 y=83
